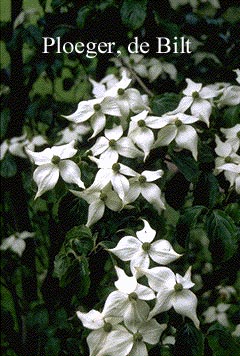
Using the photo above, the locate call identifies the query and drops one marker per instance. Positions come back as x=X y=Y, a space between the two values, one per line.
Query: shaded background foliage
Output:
x=42 y=292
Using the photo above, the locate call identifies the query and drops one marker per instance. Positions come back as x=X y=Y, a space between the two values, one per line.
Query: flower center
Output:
x=112 y=143
x=195 y=95
x=107 y=327
x=228 y=159
x=142 y=179
x=116 y=167
x=178 y=122
x=56 y=159
x=120 y=91
x=133 y=296
x=178 y=287
x=103 y=196
x=71 y=127
x=97 y=107
x=141 y=123
x=137 y=337
x=238 y=134
x=146 y=246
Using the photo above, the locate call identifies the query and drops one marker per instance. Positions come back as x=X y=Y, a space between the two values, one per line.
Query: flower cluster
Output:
x=147 y=68
x=126 y=323
x=124 y=131
x=228 y=161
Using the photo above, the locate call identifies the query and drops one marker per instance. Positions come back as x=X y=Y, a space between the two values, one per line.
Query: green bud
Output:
x=121 y=91
x=178 y=287
x=137 y=337
x=141 y=123
x=142 y=179
x=97 y=107
x=228 y=159
x=56 y=159
x=146 y=246
x=112 y=143
x=107 y=327
x=116 y=167
x=195 y=95
x=133 y=296
x=178 y=123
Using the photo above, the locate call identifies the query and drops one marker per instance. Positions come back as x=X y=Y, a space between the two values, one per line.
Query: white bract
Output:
x=114 y=173
x=177 y=127
x=16 y=242
x=113 y=144
x=172 y=291
x=129 y=300
x=139 y=250
x=95 y=111
x=198 y=99
x=98 y=199
x=217 y=313
x=53 y=162
x=73 y=132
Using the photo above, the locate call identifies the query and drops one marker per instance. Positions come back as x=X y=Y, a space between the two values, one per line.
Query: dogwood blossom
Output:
x=53 y=162
x=16 y=242
x=102 y=326
x=140 y=250
x=232 y=174
x=142 y=184
x=98 y=199
x=73 y=132
x=133 y=341
x=113 y=144
x=95 y=110
x=172 y=291
x=197 y=98
x=129 y=300
x=177 y=127
x=114 y=173
x=232 y=135
x=217 y=313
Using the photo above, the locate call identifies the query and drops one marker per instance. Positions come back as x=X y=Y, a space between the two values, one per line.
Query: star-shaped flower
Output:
x=140 y=250
x=177 y=127
x=98 y=199
x=113 y=144
x=16 y=242
x=53 y=162
x=172 y=291
x=197 y=98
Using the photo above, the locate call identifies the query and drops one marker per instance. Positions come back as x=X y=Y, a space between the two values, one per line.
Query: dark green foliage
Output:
x=189 y=341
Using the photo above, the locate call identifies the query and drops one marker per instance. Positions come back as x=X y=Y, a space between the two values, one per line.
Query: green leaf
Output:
x=232 y=14
x=189 y=341
x=206 y=191
x=230 y=117
x=223 y=236
x=188 y=221
x=8 y=167
x=221 y=342
x=133 y=13
x=5 y=117
x=53 y=346
x=186 y=164
x=80 y=239
x=82 y=16
x=164 y=103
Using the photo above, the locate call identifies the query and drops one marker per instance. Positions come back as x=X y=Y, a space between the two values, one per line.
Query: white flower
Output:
x=230 y=96
x=129 y=300
x=237 y=71
x=157 y=67
x=95 y=110
x=140 y=130
x=233 y=136
x=15 y=242
x=217 y=313
x=98 y=199
x=236 y=332
x=197 y=99
x=142 y=184
x=53 y=162
x=16 y=145
x=176 y=127
x=114 y=173
x=140 y=250
x=113 y=145
x=232 y=174
x=100 y=88
x=102 y=326
x=73 y=132
x=172 y=291
x=132 y=342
